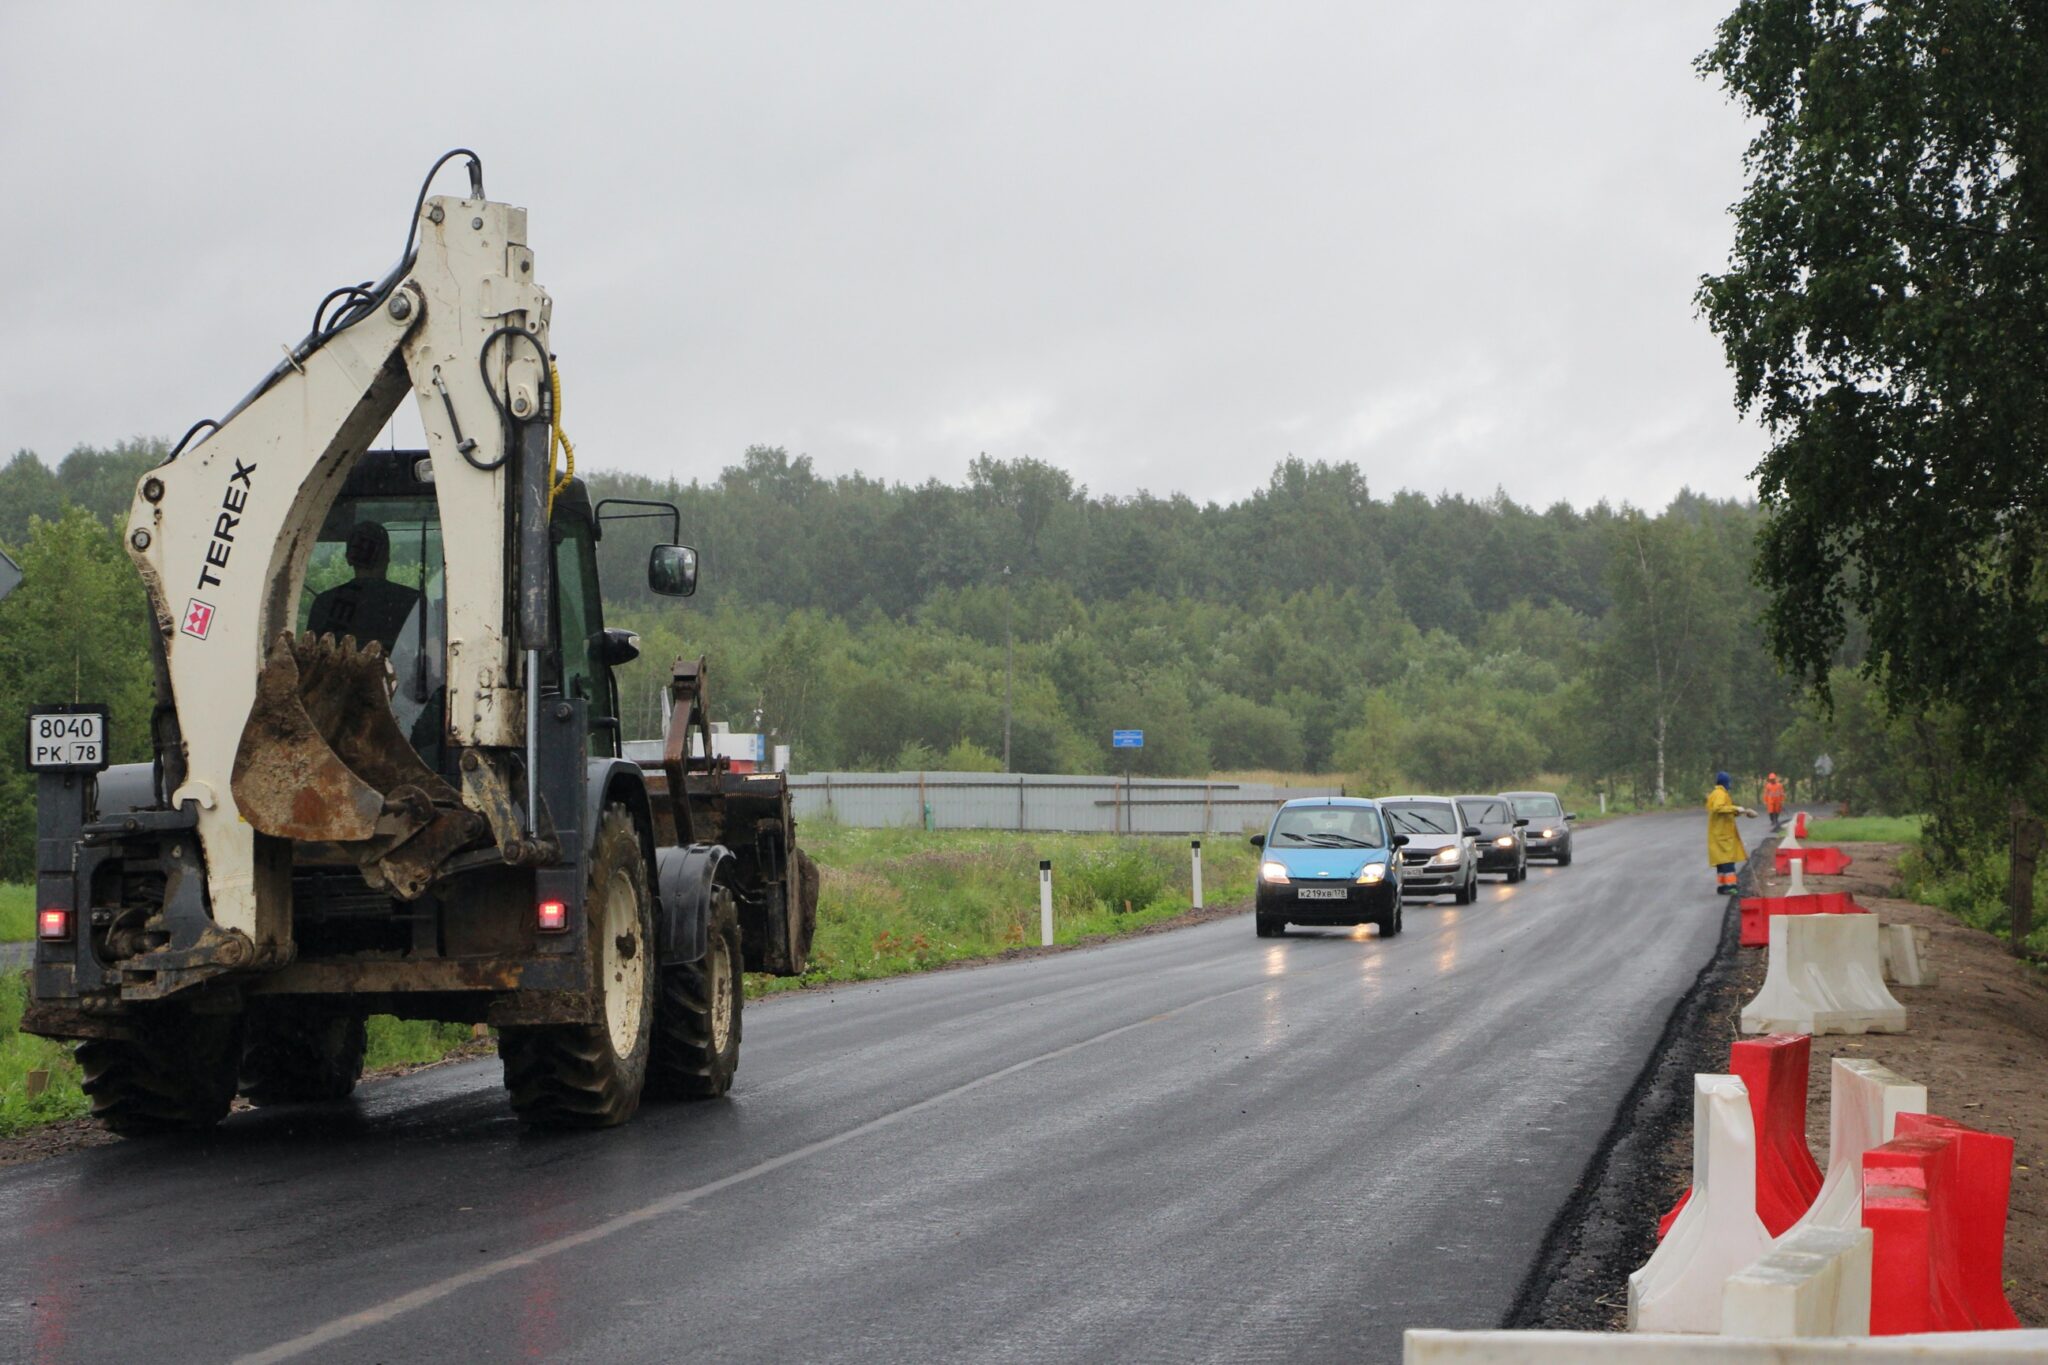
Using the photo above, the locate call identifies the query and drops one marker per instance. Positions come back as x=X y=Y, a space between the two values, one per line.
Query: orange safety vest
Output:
x=1774 y=796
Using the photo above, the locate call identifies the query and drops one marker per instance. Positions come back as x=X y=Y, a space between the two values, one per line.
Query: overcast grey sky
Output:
x=1162 y=246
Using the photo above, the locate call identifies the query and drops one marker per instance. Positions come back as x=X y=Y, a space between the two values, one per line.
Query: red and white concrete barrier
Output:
x=1757 y=911
x=1865 y=1100
x=1825 y=975
x=1935 y=1198
x=1717 y=1232
x=1773 y=1070
x=1425 y=1346
x=1814 y=1283
x=1904 y=948
x=1820 y=860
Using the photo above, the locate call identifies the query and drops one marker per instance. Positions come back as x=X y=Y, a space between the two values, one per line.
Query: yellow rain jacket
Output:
x=1724 y=845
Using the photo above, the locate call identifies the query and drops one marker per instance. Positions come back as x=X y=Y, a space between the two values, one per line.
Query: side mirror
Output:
x=1571 y=815
x=617 y=646
x=672 y=570
x=1472 y=832
x=1521 y=823
x=1400 y=841
x=1258 y=841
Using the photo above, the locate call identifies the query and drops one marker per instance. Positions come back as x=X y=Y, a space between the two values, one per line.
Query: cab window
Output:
x=579 y=626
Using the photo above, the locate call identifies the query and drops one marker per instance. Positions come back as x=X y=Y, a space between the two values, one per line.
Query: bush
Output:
x=1122 y=880
x=1974 y=891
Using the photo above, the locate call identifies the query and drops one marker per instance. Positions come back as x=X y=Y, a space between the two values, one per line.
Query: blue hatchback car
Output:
x=1328 y=860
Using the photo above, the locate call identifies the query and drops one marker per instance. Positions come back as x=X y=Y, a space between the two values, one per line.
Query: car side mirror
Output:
x=1472 y=832
x=1521 y=823
x=672 y=570
x=1258 y=841
x=1400 y=841
x=617 y=646
x=1571 y=815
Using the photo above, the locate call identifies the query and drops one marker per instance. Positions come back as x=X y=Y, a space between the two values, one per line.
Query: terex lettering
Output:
x=222 y=544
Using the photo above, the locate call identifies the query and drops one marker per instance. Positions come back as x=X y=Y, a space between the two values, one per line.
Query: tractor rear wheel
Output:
x=298 y=1055
x=697 y=1018
x=591 y=1075
x=177 y=1074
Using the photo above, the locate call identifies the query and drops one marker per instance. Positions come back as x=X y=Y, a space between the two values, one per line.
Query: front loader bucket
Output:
x=322 y=758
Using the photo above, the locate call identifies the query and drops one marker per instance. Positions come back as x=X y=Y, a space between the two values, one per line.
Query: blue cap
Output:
x=1721 y=780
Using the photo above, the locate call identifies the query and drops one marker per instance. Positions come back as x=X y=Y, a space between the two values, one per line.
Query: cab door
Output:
x=579 y=625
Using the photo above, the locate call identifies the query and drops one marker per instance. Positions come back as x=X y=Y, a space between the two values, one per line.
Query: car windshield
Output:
x=1538 y=807
x=1328 y=827
x=1422 y=818
x=1486 y=812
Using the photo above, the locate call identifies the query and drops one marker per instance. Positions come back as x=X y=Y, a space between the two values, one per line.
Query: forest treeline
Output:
x=1401 y=641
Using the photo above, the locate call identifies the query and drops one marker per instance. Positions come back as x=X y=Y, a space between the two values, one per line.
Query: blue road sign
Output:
x=1127 y=739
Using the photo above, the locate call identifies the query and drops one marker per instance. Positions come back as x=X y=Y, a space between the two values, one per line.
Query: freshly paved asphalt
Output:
x=1195 y=1145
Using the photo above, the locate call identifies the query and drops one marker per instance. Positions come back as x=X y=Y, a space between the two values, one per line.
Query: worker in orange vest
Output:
x=1774 y=800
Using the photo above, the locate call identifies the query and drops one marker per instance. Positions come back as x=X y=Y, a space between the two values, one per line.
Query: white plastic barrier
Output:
x=1904 y=947
x=1825 y=975
x=1865 y=1100
x=1814 y=1283
x=1425 y=1346
x=1718 y=1232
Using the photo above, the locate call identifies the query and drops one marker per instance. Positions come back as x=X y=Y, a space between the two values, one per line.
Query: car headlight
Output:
x=1450 y=854
x=1505 y=841
x=1272 y=872
x=1550 y=834
x=1372 y=874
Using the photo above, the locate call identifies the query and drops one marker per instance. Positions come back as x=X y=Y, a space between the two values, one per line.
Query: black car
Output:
x=1500 y=835
x=1549 y=832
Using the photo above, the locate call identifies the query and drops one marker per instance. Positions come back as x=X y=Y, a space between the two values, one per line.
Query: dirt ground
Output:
x=1977 y=1039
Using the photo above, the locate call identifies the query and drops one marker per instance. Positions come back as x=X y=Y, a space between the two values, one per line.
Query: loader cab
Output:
x=377 y=572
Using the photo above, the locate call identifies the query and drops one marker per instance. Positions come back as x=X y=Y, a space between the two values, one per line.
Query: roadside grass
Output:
x=1867 y=829
x=904 y=900
x=23 y=1053
x=17 y=912
x=407 y=1042
x=1975 y=892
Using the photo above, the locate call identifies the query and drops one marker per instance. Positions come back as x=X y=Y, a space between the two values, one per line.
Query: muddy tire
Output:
x=300 y=1056
x=591 y=1075
x=697 y=1019
x=177 y=1075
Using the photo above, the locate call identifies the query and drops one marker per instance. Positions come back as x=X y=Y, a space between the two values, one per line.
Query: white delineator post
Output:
x=1195 y=845
x=1045 y=902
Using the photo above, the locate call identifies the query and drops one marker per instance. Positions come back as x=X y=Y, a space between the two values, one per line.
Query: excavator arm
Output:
x=284 y=739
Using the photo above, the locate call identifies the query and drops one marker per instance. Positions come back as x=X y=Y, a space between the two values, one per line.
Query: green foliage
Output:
x=1123 y=880
x=1868 y=829
x=403 y=1042
x=1884 y=318
x=75 y=630
x=899 y=900
x=17 y=912
x=21 y=1053
x=1972 y=887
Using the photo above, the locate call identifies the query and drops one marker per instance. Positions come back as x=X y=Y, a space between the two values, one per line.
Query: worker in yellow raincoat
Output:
x=1724 y=844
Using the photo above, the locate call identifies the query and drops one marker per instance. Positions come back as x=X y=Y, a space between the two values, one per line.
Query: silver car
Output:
x=1441 y=856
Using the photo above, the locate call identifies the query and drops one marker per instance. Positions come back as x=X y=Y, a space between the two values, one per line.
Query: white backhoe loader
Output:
x=388 y=774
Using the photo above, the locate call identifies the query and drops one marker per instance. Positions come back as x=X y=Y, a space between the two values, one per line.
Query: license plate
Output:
x=67 y=739
x=1321 y=893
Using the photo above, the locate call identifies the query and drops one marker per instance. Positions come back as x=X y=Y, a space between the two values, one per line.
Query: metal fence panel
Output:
x=1040 y=801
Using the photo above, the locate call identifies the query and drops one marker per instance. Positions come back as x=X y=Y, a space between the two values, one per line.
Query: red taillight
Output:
x=552 y=916
x=53 y=924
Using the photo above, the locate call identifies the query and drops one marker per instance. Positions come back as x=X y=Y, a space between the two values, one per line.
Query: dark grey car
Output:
x=1549 y=831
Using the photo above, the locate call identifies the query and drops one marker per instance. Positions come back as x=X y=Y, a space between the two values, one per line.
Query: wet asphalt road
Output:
x=1196 y=1145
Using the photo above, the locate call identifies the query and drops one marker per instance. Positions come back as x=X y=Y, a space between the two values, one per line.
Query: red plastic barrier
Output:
x=1774 y=1068
x=1820 y=861
x=1934 y=1199
x=1757 y=912
x=1799 y=825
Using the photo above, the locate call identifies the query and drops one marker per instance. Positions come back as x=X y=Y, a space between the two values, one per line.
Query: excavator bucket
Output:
x=322 y=759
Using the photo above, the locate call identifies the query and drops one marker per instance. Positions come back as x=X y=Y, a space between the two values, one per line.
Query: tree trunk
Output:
x=1662 y=722
x=2028 y=834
